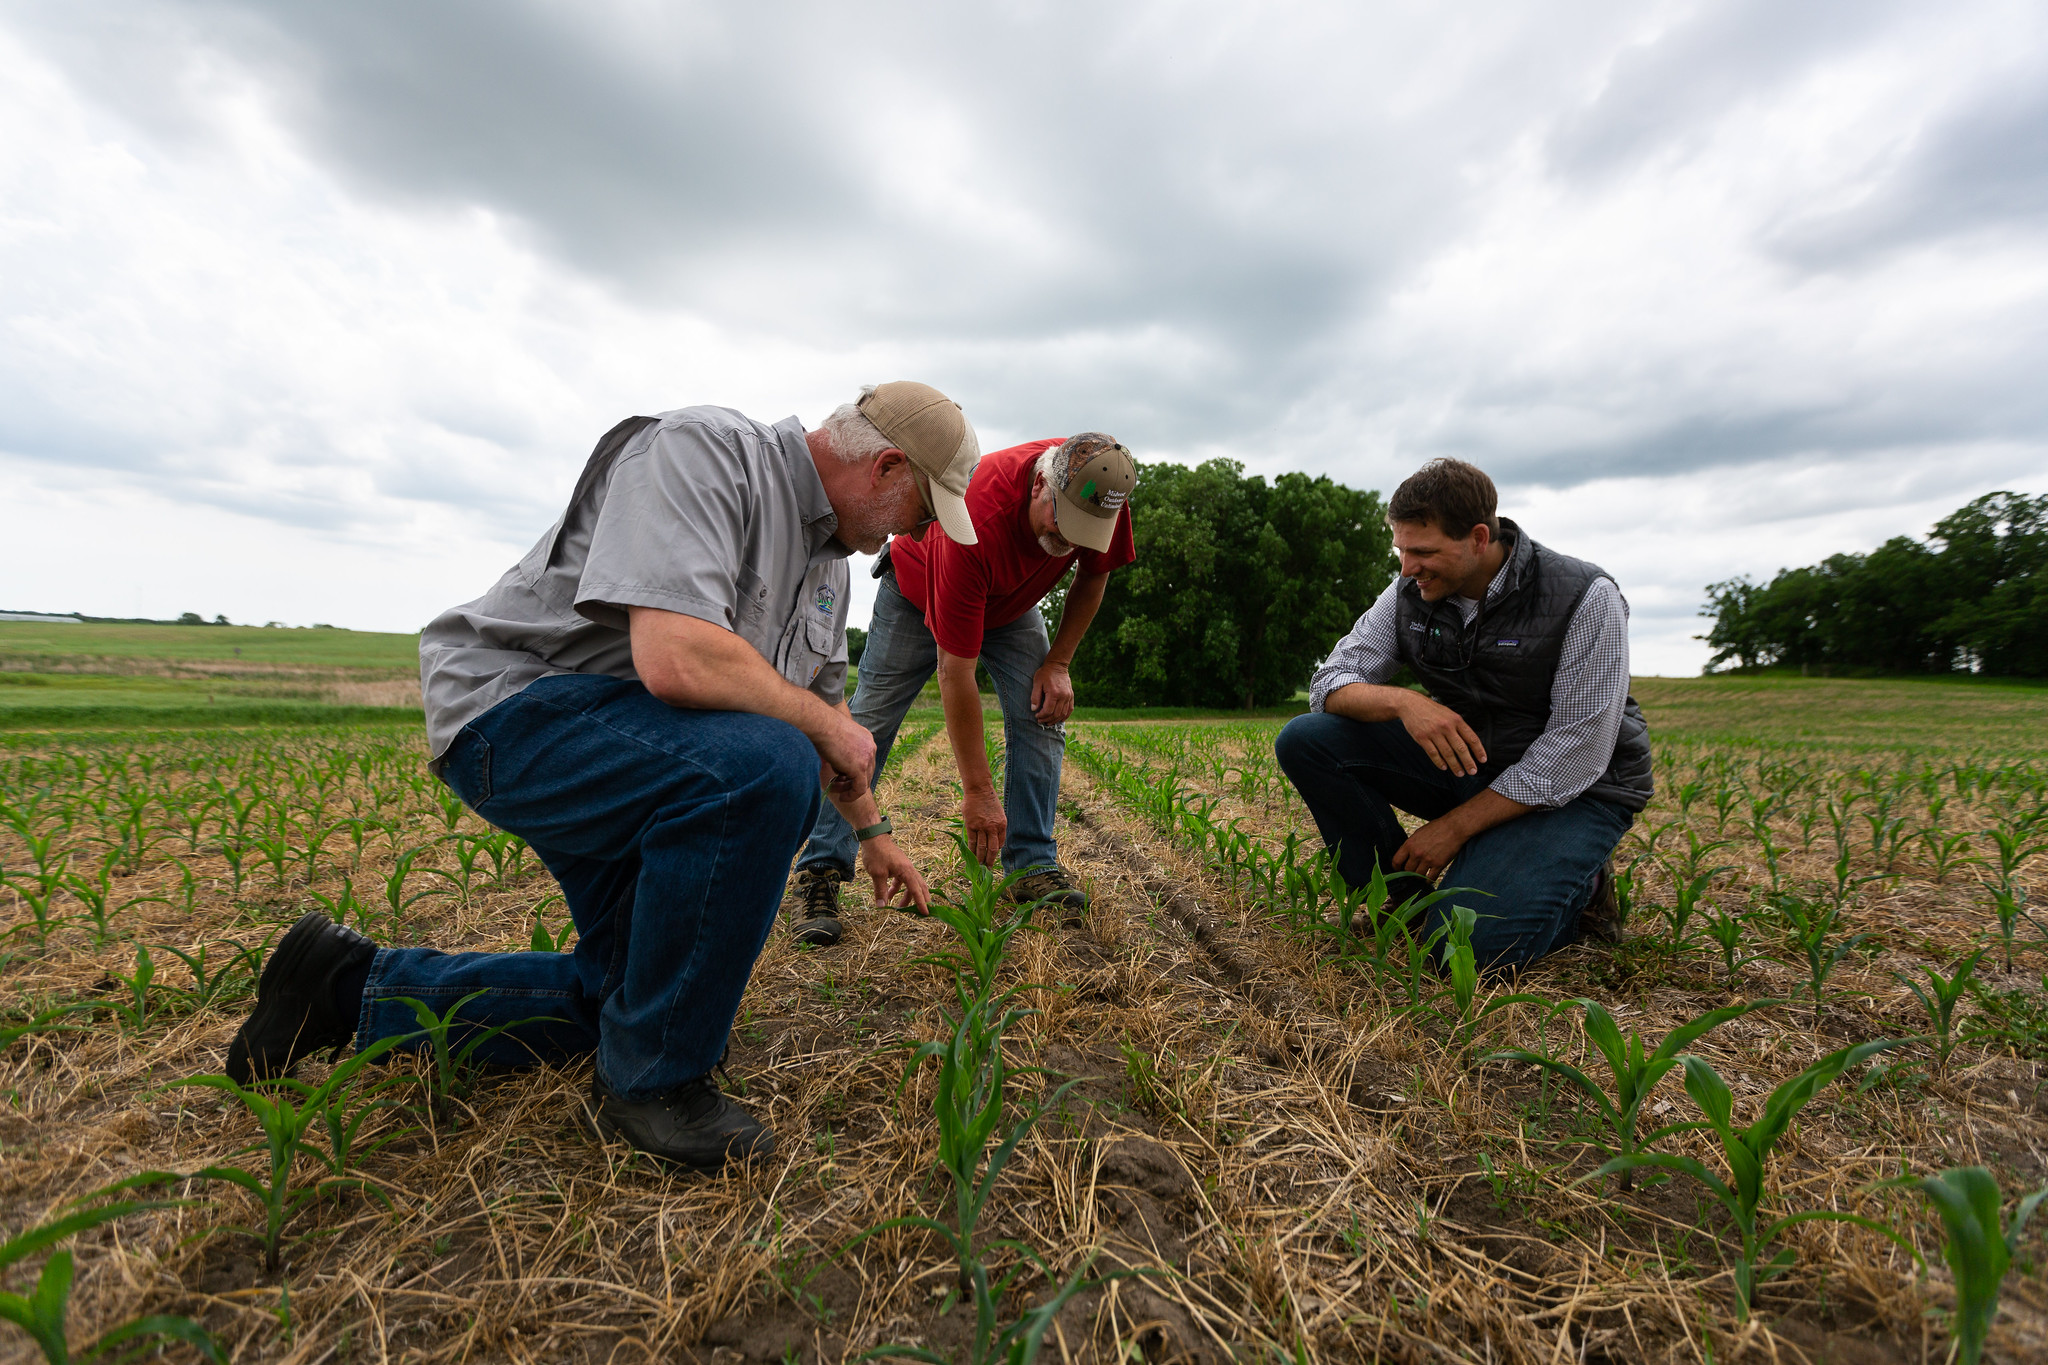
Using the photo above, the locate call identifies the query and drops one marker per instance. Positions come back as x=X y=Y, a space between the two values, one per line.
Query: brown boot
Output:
x=1600 y=920
x=818 y=921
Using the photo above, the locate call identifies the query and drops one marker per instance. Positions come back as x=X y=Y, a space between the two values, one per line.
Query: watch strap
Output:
x=880 y=827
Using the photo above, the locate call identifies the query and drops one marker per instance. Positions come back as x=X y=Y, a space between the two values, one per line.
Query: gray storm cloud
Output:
x=341 y=265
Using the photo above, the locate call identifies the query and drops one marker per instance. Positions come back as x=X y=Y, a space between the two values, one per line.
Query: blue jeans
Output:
x=1538 y=870
x=670 y=832
x=900 y=659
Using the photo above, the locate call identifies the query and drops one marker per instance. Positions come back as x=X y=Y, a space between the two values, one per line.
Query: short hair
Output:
x=1054 y=462
x=854 y=438
x=1453 y=495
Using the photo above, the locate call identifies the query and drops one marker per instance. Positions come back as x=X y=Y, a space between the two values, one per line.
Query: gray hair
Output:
x=854 y=438
x=1054 y=462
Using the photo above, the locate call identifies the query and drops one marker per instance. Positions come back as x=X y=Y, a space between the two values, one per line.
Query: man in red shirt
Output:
x=942 y=607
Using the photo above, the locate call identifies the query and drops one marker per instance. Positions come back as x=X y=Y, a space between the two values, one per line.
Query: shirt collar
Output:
x=821 y=523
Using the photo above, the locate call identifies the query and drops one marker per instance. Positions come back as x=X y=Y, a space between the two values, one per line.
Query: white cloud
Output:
x=294 y=299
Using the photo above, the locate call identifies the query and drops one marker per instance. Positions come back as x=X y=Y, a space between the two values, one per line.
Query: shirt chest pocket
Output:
x=806 y=648
x=750 y=606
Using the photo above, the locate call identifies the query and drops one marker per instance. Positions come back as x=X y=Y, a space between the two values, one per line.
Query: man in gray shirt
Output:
x=652 y=698
x=1528 y=759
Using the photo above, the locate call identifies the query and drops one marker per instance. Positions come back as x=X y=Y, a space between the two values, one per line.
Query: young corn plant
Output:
x=1940 y=999
x=225 y=984
x=1746 y=1152
x=1978 y=1248
x=286 y=1109
x=1725 y=928
x=1635 y=1072
x=449 y=1080
x=43 y=1312
x=2009 y=903
x=1811 y=929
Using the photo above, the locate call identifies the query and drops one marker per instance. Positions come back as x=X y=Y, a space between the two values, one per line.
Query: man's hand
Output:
x=1052 y=693
x=847 y=752
x=1429 y=850
x=987 y=826
x=893 y=875
x=1443 y=735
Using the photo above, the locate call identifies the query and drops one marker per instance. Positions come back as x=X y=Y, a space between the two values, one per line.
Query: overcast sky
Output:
x=312 y=312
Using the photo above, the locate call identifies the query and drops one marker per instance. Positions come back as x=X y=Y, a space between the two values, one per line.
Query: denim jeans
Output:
x=670 y=832
x=1536 y=872
x=900 y=658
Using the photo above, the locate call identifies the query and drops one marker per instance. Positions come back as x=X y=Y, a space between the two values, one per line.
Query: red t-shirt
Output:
x=964 y=590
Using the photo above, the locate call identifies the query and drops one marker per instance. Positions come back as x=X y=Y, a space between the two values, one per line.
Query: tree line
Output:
x=1239 y=589
x=1972 y=597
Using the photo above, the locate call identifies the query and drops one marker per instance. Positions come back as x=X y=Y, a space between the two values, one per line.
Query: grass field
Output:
x=1301 y=1138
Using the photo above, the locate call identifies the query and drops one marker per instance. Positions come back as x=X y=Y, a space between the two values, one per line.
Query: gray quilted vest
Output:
x=1497 y=673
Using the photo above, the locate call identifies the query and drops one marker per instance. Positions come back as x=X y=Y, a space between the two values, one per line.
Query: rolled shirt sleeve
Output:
x=671 y=530
x=1586 y=702
x=1366 y=655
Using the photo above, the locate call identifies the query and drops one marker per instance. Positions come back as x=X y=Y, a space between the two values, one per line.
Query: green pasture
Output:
x=1960 y=714
x=37 y=645
x=102 y=677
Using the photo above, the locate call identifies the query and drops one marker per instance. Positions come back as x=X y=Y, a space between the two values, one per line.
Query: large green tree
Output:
x=1239 y=588
x=1973 y=597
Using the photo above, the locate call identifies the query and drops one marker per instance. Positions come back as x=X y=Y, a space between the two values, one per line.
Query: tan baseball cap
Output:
x=931 y=429
x=1100 y=477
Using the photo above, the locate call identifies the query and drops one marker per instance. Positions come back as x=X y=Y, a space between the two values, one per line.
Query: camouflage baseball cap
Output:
x=1100 y=477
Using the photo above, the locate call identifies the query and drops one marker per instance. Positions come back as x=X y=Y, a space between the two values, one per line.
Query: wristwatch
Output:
x=880 y=827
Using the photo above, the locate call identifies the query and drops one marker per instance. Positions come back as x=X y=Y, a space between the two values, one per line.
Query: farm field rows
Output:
x=1304 y=1141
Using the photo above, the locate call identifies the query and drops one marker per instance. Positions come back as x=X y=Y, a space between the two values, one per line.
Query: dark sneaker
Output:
x=818 y=922
x=1054 y=887
x=295 y=1015
x=1600 y=920
x=695 y=1125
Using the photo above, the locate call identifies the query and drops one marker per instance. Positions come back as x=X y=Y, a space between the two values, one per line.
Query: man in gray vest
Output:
x=652 y=698
x=1528 y=759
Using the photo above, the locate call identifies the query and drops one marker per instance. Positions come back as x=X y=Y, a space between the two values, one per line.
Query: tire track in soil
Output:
x=1302 y=1029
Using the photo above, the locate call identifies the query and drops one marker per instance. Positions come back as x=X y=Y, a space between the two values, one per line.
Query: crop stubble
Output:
x=1255 y=1120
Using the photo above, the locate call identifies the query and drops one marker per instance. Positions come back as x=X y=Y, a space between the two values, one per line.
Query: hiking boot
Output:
x=1600 y=920
x=295 y=1014
x=818 y=925
x=694 y=1125
x=1052 y=886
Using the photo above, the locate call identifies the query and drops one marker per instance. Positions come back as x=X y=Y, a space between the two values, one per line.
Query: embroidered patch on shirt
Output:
x=825 y=598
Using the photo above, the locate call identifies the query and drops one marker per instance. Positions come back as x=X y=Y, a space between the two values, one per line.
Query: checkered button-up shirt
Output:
x=1586 y=697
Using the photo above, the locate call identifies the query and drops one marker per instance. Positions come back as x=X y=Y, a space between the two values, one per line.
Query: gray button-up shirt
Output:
x=1586 y=697
x=707 y=513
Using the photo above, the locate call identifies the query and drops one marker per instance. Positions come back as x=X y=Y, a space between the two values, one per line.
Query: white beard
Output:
x=1052 y=545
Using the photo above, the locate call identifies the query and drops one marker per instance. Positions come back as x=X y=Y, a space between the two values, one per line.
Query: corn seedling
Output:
x=1746 y=1151
x=46 y=1022
x=285 y=1109
x=135 y=1014
x=1811 y=929
x=2009 y=902
x=43 y=1311
x=449 y=1079
x=1940 y=998
x=1978 y=1248
x=1725 y=928
x=1635 y=1073
x=402 y=870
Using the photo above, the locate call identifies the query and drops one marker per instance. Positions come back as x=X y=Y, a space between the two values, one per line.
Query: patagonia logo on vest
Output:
x=1507 y=644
